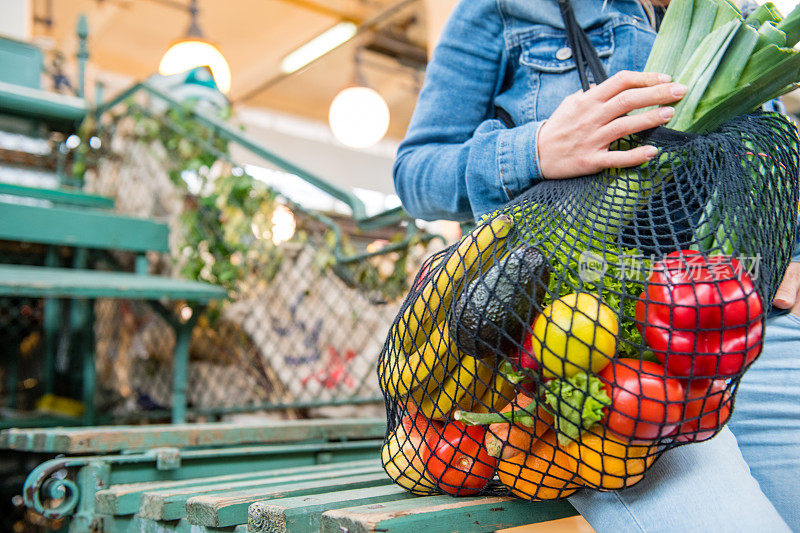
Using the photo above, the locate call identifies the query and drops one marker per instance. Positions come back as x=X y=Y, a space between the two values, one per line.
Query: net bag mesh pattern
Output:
x=592 y=324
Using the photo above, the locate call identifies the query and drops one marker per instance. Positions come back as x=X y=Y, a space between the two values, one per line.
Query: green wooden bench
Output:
x=84 y=230
x=283 y=476
x=110 y=474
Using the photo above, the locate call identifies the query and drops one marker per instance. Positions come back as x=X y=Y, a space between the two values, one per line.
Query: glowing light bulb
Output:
x=283 y=224
x=188 y=54
x=359 y=117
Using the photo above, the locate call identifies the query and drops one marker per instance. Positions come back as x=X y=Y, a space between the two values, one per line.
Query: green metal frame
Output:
x=222 y=129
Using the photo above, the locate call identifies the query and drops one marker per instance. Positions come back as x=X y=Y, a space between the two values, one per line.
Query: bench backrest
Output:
x=81 y=228
x=107 y=439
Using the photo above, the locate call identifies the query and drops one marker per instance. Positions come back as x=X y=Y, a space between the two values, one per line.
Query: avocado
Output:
x=491 y=314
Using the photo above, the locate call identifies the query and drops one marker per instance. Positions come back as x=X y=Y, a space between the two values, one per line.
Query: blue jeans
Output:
x=747 y=478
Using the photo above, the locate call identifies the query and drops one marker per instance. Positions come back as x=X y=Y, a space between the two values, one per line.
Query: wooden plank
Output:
x=443 y=514
x=231 y=508
x=81 y=228
x=126 y=498
x=170 y=504
x=302 y=514
x=35 y=281
x=105 y=439
x=59 y=196
x=136 y=524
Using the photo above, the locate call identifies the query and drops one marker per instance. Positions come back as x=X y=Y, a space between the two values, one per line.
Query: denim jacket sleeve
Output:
x=458 y=162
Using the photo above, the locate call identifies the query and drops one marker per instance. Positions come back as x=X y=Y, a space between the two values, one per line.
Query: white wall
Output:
x=15 y=19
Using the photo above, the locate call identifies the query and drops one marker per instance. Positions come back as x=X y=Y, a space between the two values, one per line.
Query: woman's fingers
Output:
x=633 y=99
x=626 y=158
x=624 y=80
x=628 y=125
x=787 y=295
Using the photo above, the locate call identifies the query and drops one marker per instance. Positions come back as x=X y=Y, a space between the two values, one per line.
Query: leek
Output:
x=791 y=27
x=766 y=12
x=726 y=12
x=668 y=45
x=769 y=34
x=762 y=62
x=703 y=16
x=733 y=64
x=748 y=97
x=704 y=63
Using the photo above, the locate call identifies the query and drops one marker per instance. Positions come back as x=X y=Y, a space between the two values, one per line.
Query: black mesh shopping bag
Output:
x=593 y=323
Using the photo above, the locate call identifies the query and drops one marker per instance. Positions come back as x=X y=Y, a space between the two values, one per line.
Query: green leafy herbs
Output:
x=577 y=403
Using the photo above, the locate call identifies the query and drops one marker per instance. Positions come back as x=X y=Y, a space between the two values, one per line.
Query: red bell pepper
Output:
x=702 y=317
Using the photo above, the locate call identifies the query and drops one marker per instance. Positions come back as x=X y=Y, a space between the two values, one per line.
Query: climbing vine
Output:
x=227 y=218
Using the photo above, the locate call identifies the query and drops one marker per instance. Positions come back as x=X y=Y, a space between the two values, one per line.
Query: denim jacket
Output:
x=457 y=160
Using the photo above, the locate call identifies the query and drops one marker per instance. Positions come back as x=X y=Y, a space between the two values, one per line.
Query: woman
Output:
x=501 y=110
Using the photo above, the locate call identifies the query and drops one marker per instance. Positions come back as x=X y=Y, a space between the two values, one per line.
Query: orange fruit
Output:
x=605 y=462
x=546 y=473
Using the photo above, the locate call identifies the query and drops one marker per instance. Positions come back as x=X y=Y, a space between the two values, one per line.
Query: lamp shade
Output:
x=359 y=117
x=191 y=53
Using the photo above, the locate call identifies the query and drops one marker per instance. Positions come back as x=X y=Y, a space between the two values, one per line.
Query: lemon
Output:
x=575 y=333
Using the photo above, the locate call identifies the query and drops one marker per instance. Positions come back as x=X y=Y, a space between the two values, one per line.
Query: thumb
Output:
x=786 y=296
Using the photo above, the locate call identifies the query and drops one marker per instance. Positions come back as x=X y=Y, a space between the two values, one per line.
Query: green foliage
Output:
x=577 y=403
x=226 y=217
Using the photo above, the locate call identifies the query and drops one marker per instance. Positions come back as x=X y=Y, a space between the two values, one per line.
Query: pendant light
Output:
x=359 y=116
x=195 y=51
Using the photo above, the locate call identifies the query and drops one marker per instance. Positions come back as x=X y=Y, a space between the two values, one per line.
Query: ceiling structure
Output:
x=129 y=37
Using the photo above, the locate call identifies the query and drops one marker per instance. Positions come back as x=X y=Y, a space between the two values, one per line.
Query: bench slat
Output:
x=171 y=504
x=35 y=281
x=81 y=228
x=126 y=498
x=302 y=514
x=230 y=509
x=105 y=439
x=443 y=514
x=58 y=196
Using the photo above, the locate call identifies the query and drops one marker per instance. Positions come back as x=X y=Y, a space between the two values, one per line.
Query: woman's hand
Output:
x=574 y=141
x=788 y=295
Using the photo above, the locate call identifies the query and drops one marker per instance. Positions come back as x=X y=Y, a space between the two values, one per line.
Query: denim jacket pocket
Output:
x=547 y=60
x=549 y=51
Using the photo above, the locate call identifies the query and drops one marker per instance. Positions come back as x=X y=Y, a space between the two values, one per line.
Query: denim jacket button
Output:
x=564 y=53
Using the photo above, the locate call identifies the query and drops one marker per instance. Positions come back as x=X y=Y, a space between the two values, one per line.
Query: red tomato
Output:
x=416 y=423
x=708 y=408
x=456 y=458
x=646 y=404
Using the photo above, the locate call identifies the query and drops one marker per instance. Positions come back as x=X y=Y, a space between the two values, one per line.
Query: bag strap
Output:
x=585 y=54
